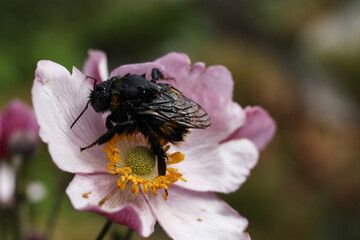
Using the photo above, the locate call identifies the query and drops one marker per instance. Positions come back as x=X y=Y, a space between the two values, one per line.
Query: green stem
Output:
x=17 y=161
x=55 y=209
x=3 y=228
x=128 y=234
x=104 y=230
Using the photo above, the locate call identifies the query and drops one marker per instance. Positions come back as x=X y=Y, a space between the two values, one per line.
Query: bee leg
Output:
x=109 y=125
x=91 y=145
x=160 y=153
x=156 y=74
x=117 y=129
x=157 y=149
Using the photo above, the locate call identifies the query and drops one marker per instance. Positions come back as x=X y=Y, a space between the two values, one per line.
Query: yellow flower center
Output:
x=132 y=160
x=141 y=160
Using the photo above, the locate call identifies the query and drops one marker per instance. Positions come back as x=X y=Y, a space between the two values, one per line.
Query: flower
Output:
x=18 y=135
x=217 y=159
x=7 y=184
x=18 y=131
x=35 y=191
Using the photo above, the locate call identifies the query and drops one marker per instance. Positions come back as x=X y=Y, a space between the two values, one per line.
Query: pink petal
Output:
x=191 y=80
x=16 y=117
x=58 y=99
x=196 y=215
x=218 y=168
x=176 y=65
x=259 y=127
x=136 y=69
x=7 y=184
x=226 y=116
x=217 y=80
x=214 y=80
x=210 y=165
x=99 y=193
x=96 y=66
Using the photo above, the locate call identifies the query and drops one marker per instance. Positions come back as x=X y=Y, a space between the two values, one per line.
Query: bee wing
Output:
x=172 y=105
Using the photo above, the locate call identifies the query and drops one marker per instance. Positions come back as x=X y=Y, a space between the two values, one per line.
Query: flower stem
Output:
x=128 y=234
x=3 y=228
x=55 y=209
x=104 y=230
x=17 y=162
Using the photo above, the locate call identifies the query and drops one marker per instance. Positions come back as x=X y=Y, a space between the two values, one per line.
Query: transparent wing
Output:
x=172 y=105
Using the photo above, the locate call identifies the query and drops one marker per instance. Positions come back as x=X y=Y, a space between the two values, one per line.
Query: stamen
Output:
x=141 y=160
x=133 y=161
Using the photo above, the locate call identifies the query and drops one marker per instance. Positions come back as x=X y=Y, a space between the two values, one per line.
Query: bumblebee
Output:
x=157 y=110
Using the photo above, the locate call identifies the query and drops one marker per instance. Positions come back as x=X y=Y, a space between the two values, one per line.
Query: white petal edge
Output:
x=99 y=193
x=226 y=116
x=197 y=215
x=219 y=168
x=58 y=98
x=259 y=127
x=96 y=65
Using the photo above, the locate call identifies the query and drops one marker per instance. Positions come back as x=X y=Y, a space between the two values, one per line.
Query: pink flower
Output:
x=217 y=159
x=18 y=135
x=18 y=125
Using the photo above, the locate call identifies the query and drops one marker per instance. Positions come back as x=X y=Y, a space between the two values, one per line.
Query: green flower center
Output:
x=141 y=160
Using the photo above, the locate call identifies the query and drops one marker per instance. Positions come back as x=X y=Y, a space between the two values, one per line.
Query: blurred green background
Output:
x=298 y=59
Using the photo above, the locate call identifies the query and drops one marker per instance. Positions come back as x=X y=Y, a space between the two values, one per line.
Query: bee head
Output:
x=100 y=96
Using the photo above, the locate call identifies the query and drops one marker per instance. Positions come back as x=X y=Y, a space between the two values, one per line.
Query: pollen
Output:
x=134 y=163
x=141 y=160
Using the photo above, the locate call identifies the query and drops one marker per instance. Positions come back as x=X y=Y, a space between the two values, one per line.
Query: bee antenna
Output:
x=87 y=105
x=95 y=80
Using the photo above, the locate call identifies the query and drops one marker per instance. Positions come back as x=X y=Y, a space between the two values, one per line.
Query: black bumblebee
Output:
x=157 y=110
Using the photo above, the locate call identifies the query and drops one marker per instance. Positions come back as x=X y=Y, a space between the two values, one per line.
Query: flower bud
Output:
x=23 y=143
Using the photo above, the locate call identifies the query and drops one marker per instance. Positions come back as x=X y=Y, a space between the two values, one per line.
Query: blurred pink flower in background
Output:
x=18 y=123
x=218 y=159
x=7 y=184
x=18 y=138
